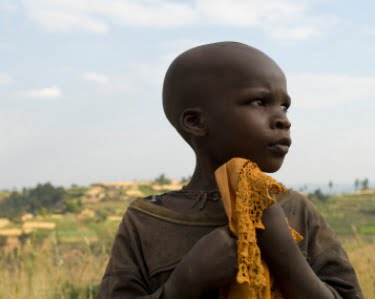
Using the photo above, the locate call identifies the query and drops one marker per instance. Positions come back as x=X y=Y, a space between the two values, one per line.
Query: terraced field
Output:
x=351 y=215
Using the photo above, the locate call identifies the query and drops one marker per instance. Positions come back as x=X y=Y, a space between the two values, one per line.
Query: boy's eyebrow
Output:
x=261 y=93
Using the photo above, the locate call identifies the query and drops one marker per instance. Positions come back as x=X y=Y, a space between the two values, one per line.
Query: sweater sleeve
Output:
x=333 y=267
x=326 y=256
x=126 y=275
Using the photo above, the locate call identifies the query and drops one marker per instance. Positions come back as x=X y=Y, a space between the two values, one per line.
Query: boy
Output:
x=226 y=100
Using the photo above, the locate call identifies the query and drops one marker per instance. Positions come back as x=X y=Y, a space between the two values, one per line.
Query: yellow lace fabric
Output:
x=246 y=191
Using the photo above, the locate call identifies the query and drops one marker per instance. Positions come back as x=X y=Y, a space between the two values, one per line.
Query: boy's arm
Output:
x=292 y=272
x=123 y=277
x=327 y=272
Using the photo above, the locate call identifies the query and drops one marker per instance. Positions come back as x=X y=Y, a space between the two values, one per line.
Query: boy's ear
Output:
x=192 y=121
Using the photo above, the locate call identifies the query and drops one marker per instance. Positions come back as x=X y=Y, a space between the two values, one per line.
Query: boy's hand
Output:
x=210 y=264
x=277 y=230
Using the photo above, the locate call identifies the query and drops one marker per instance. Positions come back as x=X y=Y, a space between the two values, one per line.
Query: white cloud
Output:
x=45 y=93
x=5 y=79
x=96 y=15
x=318 y=90
x=288 y=19
x=297 y=33
x=63 y=21
x=248 y=12
x=148 y=13
x=95 y=77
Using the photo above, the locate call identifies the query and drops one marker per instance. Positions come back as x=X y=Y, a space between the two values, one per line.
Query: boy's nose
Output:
x=281 y=122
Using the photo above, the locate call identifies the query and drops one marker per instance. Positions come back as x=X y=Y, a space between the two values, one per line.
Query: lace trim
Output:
x=254 y=193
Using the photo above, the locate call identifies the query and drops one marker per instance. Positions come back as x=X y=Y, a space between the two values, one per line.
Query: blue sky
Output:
x=80 y=85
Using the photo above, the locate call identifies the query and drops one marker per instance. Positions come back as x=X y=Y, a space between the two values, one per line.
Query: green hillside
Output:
x=350 y=215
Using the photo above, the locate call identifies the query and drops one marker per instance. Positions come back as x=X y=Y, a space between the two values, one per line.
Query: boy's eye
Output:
x=259 y=102
x=285 y=107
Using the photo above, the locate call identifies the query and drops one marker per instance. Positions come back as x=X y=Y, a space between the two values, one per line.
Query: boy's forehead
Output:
x=234 y=62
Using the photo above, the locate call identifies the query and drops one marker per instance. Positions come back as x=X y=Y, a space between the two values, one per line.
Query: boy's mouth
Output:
x=281 y=146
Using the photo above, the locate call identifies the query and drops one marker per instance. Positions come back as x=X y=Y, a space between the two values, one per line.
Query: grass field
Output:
x=68 y=261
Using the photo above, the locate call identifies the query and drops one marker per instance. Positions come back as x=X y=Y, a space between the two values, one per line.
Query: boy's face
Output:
x=250 y=119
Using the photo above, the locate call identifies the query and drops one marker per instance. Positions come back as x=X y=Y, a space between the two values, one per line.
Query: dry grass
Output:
x=363 y=259
x=39 y=225
x=10 y=232
x=50 y=271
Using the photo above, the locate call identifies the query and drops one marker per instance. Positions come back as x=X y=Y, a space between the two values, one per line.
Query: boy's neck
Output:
x=203 y=178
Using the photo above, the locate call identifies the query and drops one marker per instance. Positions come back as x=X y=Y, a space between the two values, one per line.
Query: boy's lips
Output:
x=281 y=146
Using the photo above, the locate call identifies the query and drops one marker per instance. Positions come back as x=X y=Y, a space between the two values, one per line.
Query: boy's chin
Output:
x=270 y=168
x=271 y=165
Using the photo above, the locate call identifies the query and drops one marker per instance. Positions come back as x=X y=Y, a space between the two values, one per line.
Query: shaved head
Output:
x=204 y=75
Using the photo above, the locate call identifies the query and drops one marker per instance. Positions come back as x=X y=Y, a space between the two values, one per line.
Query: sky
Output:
x=80 y=85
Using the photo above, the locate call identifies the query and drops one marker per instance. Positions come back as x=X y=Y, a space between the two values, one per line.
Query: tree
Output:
x=356 y=184
x=318 y=195
x=330 y=185
x=162 y=180
x=365 y=184
x=73 y=206
x=44 y=198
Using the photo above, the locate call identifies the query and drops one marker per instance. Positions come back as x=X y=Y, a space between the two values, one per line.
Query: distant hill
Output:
x=46 y=198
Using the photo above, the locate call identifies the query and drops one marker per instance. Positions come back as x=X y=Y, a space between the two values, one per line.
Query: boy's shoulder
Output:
x=299 y=210
x=147 y=219
x=291 y=201
x=291 y=196
x=150 y=207
x=296 y=202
